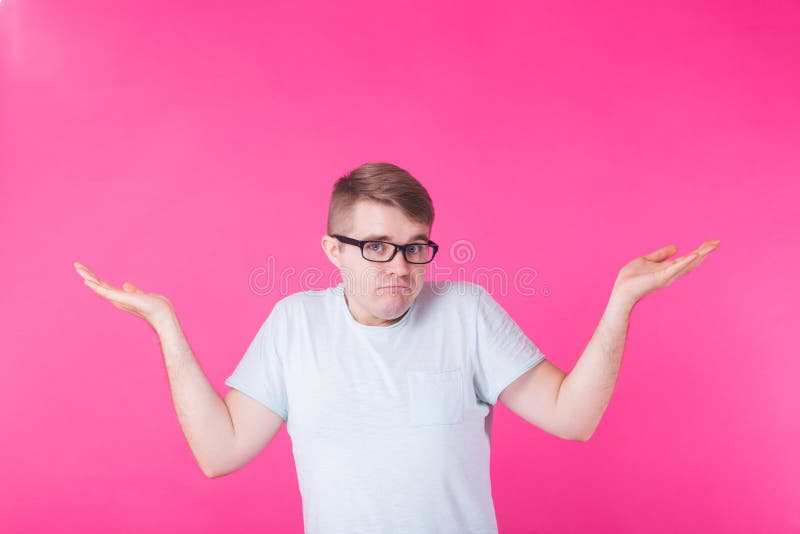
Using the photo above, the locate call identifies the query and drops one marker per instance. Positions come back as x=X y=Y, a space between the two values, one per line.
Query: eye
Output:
x=413 y=249
x=375 y=247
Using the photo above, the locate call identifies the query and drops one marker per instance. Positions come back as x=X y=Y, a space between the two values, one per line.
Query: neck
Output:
x=389 y=322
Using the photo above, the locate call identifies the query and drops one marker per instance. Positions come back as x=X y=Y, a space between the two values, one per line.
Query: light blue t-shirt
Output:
x=390 y=425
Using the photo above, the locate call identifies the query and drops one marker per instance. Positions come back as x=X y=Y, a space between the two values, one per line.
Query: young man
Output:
x=386 y=382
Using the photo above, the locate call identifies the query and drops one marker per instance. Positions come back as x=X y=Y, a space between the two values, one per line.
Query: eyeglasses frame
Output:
x=360 y=245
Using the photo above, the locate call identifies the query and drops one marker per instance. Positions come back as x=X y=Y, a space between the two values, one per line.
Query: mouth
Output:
x=395 y=287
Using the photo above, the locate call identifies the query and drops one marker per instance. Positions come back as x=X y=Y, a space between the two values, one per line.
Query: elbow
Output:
x=580 y=439
x=210 y=473
x=216 y=472
x=579 y=436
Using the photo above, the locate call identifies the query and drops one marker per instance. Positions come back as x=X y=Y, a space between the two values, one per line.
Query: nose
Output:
x=398 y=264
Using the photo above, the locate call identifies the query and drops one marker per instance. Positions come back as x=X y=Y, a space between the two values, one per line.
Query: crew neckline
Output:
x=339 y=293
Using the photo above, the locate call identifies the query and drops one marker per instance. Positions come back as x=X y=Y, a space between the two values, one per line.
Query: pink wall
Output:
x=184 y=148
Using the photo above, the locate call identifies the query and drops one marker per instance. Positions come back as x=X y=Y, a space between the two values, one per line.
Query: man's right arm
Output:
x=223 y=434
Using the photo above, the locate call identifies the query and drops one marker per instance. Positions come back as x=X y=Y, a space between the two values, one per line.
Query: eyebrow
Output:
x=386 y=237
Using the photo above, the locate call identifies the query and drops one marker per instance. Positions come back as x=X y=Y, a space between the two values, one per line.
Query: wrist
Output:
x=164 y=322
x=620 y=302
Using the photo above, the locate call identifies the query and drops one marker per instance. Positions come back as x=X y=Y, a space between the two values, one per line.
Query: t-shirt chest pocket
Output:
x=435 y=397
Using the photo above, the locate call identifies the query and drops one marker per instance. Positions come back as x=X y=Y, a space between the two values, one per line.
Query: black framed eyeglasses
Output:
x=383 y=251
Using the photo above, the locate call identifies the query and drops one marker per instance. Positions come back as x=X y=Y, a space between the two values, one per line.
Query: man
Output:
x=386 y=382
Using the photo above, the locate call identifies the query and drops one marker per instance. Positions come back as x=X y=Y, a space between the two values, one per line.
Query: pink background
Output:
x=186 y=147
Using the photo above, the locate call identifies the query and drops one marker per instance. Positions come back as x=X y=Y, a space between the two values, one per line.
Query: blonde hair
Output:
x=380 y=182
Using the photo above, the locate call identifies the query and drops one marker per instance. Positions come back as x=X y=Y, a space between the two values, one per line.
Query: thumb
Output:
x=662 y=253
x=130 y=288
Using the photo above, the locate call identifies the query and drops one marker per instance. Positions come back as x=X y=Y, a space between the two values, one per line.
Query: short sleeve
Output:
x=502 y=350
x=259 y=373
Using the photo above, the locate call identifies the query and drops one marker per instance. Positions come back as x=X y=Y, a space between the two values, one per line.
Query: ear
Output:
x=331 y=248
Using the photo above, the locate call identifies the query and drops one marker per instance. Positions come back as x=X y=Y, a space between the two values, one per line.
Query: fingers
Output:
x=678 y=264
x=674 y=272
x=662 y=253
x=100 y=287
x=665 y=252
x=699 y=257
x=86 y=274
x=104 y=290
x=708 y=246
x=690 y=261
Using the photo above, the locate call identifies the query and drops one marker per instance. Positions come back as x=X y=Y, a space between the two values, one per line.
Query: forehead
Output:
x=373 y=220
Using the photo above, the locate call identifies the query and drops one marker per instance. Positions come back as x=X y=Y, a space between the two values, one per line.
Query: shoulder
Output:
x=448 y=293
x=308 y=300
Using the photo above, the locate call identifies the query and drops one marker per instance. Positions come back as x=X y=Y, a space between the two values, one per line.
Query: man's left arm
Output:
x=585 y=392
x=571 y=405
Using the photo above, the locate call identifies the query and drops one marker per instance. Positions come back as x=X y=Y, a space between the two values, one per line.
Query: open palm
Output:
x=149 y=306
x=653 y=271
